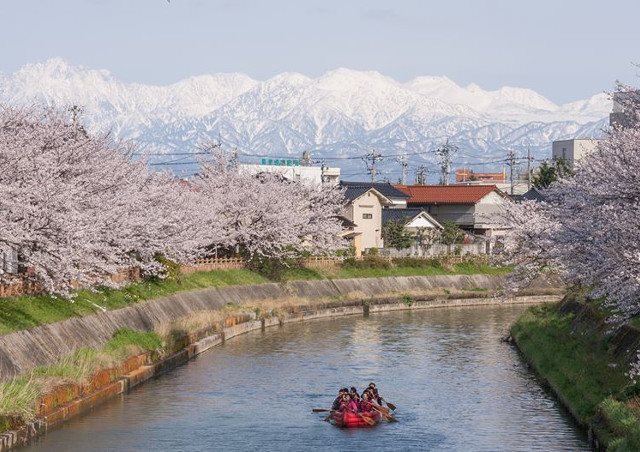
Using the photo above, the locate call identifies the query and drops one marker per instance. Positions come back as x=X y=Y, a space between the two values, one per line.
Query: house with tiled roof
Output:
x=532 y=195
x=413 y=218
x=398 y=198
x=474 y=208
x=363 y=207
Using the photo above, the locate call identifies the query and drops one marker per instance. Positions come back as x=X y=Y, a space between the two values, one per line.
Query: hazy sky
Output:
x=565 y=50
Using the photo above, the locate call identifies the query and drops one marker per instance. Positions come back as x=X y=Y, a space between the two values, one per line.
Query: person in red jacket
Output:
x=348 y=404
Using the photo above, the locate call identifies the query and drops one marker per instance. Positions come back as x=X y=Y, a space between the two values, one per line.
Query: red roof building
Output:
x=466 y=175
x=474 y=208
x=446 y=194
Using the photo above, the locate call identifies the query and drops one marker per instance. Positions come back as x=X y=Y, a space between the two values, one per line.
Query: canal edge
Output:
x=27 y=433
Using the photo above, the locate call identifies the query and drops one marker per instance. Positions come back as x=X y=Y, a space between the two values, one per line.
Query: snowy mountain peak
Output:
x=345 y=79
x=57 y=70
x=524 y=96
x=342 y=112
x=288 y=78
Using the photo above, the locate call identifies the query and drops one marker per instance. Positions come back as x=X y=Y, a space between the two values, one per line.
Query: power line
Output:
x=173 y=163
x=162 y=154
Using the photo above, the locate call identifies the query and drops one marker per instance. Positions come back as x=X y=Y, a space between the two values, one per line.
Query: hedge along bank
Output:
x=255 y=307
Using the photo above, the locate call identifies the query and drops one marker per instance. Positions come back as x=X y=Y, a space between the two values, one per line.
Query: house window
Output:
x=367 y=216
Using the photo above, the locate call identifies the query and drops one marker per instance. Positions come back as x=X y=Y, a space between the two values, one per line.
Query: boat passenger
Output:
x=365 y=404
x=348 y=404
x=336 y=403
x=355 y=402
x=376 y=396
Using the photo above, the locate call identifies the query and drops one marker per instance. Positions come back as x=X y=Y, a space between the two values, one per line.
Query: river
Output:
x=456 y=385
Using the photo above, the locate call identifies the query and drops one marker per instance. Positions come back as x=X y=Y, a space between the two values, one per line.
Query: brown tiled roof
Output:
x=445 y=194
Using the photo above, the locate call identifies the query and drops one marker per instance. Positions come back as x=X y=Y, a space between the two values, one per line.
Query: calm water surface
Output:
x=457 y=387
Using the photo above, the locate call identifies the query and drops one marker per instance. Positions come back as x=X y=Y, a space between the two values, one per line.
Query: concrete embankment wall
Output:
x=46 y=344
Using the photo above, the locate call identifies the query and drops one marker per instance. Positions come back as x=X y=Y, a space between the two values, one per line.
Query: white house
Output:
x=364 y=207
x=414 y=219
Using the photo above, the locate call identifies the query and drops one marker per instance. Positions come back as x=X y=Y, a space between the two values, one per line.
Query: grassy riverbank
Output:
x=573 y=351
x=18 y=396
x=29 y=311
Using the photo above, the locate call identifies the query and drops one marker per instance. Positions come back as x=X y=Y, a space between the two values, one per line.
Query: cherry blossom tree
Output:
x=78 y=209
x=530 y=245
x=587 y=229
x=267 y=215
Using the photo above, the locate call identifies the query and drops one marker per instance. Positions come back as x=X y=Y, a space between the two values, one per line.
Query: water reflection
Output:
x=456 y=385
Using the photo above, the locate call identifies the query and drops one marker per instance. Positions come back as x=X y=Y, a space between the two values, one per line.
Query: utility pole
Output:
x=511 y=161
x=420 y=175
x=235 y=157
x=529 y=159
x=76 y=111
x=371 y=159
x=404 y=164
x=446 y=153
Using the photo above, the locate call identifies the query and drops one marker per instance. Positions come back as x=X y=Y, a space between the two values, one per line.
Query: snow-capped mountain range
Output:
x=343 y=113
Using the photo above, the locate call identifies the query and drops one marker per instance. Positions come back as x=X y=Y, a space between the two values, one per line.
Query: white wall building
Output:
x=293 y=169
x=572 y=150
x=364 y=207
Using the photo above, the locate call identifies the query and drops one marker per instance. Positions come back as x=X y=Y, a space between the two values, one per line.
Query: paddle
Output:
x=386 y=415
x=390 y=405
x=320 y=410
x=367 y=419
x=326 y=419
x=381 y=408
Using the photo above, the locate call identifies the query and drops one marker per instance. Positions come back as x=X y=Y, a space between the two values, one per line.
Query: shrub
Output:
x=369 y=261
x=451 y=234
x=171 y=268
x=271 y=268
x=396 y=236
x=416 y=262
